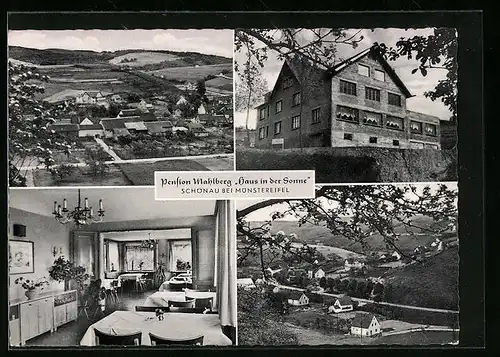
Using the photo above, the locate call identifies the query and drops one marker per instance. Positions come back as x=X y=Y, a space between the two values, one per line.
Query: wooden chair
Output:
x=102 y=338
x=187 y=310
x=204 y=303
x=189 y=303
x=158 y=340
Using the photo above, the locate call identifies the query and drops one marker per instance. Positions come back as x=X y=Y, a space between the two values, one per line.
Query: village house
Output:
x=67 y=129
x=359 y=102
x=341 y=304
x=365 y=325
x=91 y=97
x=197 y=129
x=86 y=121
x=297 y=298
x=90 y=130
x=351 y=263
x=116 y=126
x=211 y=120
x=201 y=109
x=135 y=127
x=159 y=127
x=396 y=255
x=316 y=274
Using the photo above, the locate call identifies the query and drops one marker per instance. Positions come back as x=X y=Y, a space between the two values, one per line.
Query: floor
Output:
x=71 y=333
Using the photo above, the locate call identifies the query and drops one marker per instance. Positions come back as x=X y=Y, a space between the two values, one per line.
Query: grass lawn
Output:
x=416 y=338
x=143 y=174
x=114 y=177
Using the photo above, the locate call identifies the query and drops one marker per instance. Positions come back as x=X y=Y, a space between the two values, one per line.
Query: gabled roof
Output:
x=90 y=127
x=129 y=112
x=121 y=131
x=295 y=294
x=63 y=127
x=148 y=117
x=344 y=300
x=136 y=125
x=113 y=123
x=158 y=126
x=373 y=50
x=92 y=93
x=424 y=117
x=362 y=320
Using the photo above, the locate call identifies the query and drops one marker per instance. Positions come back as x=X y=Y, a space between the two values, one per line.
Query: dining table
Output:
x=174 y=326
x=161 y=298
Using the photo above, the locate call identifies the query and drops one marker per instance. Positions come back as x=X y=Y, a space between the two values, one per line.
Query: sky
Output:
x=415 y=82
x=264 y=214
x=207 y=41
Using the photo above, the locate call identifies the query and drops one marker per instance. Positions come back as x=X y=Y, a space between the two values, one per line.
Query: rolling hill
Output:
x=312 y=234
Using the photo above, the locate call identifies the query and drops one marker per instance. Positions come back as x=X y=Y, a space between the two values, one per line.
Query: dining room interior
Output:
x=99 y=266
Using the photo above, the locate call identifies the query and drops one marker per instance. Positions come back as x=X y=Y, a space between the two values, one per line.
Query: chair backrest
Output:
x=205 y=303
x=188 y=303
x=188 y=310
x=158 y=340
x=103 y=338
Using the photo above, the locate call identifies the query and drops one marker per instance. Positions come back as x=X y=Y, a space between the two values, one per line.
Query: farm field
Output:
x=416 y=338
x=221 y=83
x=143 y=58
x=192 y=73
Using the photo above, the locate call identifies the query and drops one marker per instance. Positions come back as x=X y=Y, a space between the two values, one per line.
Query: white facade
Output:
x=338 y=307
x=303 y=300
x=201 y=109
x=372 y=330
x=319 y=274
x=91 y=133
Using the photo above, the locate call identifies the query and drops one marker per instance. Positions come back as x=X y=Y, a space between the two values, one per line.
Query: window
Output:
x=394 y=99
x=373 y=119
x=296 y=122
x=263 y=113
x=394 y=123
x=347 y=87
x=112 y=263
x=347 y=114
x=347 y=136
x=364 y=70
x=430 y=129
x=262 y=133
x=279 y=106
x=379 y=75
x=395 y=142
x=267 y=131
x=373 y=140
x=372 y=94
x=315 y=115
x=138 y=258
x=296 y=99
x=287 y=82
x=277 y=128
x=180 y=255
x=416 y=127
x=268 y=110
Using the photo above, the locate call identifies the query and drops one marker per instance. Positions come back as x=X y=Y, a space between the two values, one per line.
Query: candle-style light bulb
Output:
x=59 y=209
x=55 y=207
x=100 y=205
x=65 y=204
x=86 y=202
x=91 y=212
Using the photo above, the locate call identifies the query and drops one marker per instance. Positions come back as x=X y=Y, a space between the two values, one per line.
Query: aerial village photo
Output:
x=110 y=107
x=356 y=105
x=357 y=265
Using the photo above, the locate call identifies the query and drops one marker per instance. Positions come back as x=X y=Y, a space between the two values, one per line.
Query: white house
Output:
x=298 y=298
x=396 y=255
x=320 y=273
x=353 y=264
x=365 y=325
x=90 y=130
x=341 y=304
x=201 y=109
x=181 y=100
x=90 y=97
x=86 y=121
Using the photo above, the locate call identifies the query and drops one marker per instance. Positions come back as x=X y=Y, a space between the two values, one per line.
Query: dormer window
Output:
x=363 y=70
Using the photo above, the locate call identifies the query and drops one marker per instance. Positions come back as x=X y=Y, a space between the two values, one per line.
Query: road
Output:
x=377 y=303
x=145 y=161
x=107 y=149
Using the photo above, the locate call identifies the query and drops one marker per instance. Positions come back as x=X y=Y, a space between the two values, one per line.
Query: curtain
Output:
x=226 y=269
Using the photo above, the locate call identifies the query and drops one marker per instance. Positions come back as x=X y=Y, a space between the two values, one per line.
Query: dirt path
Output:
x=106 y=148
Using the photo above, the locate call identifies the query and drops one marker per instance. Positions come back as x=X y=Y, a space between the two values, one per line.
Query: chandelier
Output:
x=148 y=243
x=79 y=215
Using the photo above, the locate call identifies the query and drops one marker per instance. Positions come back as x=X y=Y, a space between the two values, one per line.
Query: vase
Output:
x=31 y=294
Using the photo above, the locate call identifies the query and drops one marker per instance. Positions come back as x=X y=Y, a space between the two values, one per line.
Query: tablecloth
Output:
x=160 y=298
x=174 y=325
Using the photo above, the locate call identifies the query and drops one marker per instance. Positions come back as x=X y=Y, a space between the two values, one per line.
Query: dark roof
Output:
x=64 y=127
x=148 y=117
x=345 y=300
x=375 y=53
x=90 y=127
x=423 y=117
x=158 y=126
x=295 y=294
x=129 y=112
x=362 y=320
x=115 y=123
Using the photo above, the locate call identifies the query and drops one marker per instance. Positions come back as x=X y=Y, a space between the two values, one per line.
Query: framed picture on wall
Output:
x=21 y=257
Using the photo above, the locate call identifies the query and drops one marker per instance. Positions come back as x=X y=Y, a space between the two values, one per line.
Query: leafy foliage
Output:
x=65 y=270
x=30 y=284
x=95 y=160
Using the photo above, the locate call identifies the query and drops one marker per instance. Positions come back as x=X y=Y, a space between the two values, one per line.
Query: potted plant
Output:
x=32 y=287
x=66 y=271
